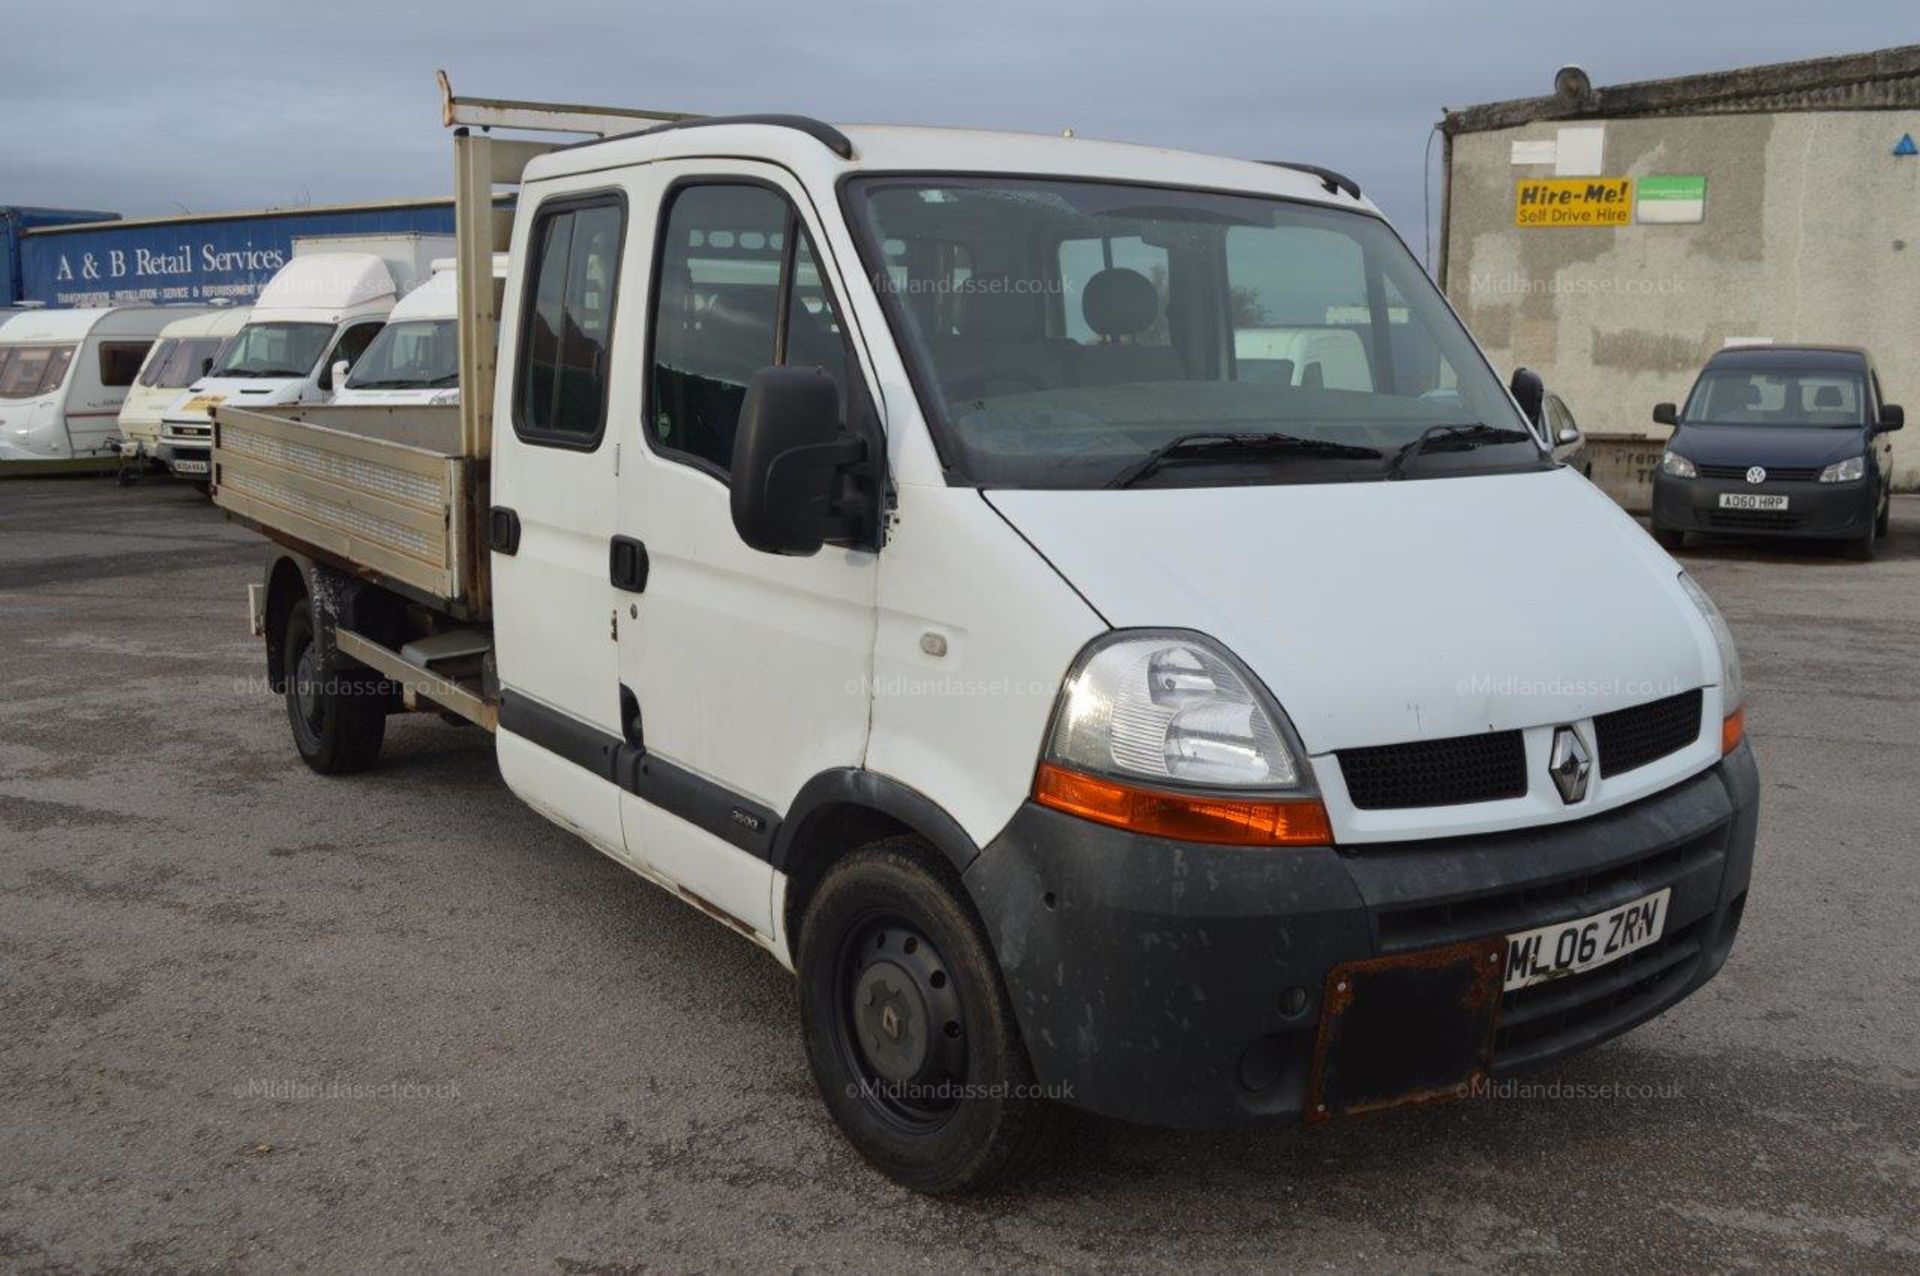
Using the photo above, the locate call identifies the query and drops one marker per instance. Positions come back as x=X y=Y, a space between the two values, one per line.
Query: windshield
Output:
x=274 y=350
x=176 y=362
x=27 y=372
x=1070 y=329
x=1777 y=396
x=414 y=354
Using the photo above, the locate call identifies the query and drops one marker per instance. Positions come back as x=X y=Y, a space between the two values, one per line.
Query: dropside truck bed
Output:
x=386 y=497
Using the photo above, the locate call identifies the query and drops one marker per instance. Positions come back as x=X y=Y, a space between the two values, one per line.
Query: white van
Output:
x=320 y=309
x=890 y=558
x=64 y=375
x=183 y=354
x=416 y=358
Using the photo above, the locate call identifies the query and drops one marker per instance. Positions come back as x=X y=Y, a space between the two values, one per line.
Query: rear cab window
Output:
x=561 y=374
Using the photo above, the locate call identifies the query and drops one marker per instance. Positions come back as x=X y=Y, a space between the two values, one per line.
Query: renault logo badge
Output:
x=1569 y=765
x=1757 y=474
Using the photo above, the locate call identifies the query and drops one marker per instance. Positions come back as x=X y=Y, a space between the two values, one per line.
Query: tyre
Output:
x=337 y=709
x=1862 y=548
x=1884 y=521
x=908 y=1029
x=1669 y=539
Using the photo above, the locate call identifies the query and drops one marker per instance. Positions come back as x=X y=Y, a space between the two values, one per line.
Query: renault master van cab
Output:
x=322 y=308
x=63 y=377
x=184 y=353
x=415 y=360
x=893 y=549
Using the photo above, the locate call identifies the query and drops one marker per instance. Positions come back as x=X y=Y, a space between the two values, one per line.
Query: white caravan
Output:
x=321 y=308
x=872 y=537
x=64 y=375
x=416 y=358
x=183 y=354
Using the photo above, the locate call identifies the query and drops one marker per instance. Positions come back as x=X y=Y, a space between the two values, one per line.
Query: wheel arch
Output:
x=286 y=585
x=846 y=808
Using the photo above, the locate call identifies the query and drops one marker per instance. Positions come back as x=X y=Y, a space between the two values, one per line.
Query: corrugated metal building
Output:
x=1612 y=238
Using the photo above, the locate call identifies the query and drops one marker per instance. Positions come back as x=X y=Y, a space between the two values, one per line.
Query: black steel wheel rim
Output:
x=899 y=1024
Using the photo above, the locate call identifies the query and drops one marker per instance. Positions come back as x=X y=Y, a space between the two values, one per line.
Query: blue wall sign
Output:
x=197 y=259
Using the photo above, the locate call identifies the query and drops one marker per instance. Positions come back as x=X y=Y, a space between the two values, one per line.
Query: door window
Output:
x=739 y=288
x=560 y=398
x=352 y=344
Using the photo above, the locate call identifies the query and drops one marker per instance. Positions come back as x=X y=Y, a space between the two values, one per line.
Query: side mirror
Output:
x=1567 y=437
x=792 y=490
x=337 y=375
x=1529 y=391
x=206 y=365
x=1892 y=417
x=1666 y=414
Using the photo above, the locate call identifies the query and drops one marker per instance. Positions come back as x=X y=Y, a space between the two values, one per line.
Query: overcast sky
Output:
x=145 y=109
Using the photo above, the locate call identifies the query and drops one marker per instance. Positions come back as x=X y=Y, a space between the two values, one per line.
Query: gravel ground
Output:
x=251 y=1018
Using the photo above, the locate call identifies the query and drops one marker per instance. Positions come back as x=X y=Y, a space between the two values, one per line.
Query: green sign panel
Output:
x=1671 y=199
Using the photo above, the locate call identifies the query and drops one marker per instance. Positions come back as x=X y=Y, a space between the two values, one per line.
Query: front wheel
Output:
x=338 y=714
x=1862 y=548
x=908 y=1029
x=1884 y=521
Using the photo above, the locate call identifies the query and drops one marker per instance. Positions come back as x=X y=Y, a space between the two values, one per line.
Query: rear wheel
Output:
x=908 y=1029
x=1669 y=538
x=337 y=709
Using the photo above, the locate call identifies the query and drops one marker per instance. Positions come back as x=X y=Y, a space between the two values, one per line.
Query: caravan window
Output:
x=120 y=361
x=27 y=372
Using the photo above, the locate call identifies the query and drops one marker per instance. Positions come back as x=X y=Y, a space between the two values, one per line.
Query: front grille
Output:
x=1630 y=738
x=1467 y=768
x=1783 y=473
x=1536 y=1021
x=1541 y=1021
x=1768 y=519
x=1507 y=912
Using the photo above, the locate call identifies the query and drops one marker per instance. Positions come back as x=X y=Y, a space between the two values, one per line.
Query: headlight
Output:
x=1673 y=465
x=1854 y=467
x=1164 y=733
x=1731 y=692
x=1170 y=707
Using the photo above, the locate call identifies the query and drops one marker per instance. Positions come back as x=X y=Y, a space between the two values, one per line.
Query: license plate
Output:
x=201 y=402
x=190 y=467
x=1567 y=948
x=1751 y=501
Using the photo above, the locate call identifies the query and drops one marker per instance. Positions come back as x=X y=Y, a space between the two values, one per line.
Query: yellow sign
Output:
x=1573 y=201
x=202 y=402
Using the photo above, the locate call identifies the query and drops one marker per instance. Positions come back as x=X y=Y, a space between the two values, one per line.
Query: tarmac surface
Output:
x=254 y=1019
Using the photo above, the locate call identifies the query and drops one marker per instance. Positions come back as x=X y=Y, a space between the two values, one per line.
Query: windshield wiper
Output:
x=1460 y=436
x=1208 y=444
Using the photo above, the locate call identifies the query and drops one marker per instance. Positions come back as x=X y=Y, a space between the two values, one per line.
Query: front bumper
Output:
x=199 y=459
x=1160 y=982
x=1831 y=510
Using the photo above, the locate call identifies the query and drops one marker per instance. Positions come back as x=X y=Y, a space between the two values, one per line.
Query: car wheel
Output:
x=1669 y=538
x=1884 y=521
x=338 y=714
x=908 y=1029
x=1862 y=548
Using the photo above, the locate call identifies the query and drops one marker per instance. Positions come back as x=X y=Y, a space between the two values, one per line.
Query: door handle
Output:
x=627 y=564
x=503 y=530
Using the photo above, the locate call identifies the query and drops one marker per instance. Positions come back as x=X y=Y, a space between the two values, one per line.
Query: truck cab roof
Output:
x=883 y=148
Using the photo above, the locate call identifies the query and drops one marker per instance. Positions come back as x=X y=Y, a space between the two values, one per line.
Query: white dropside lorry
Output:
x=906 y=546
